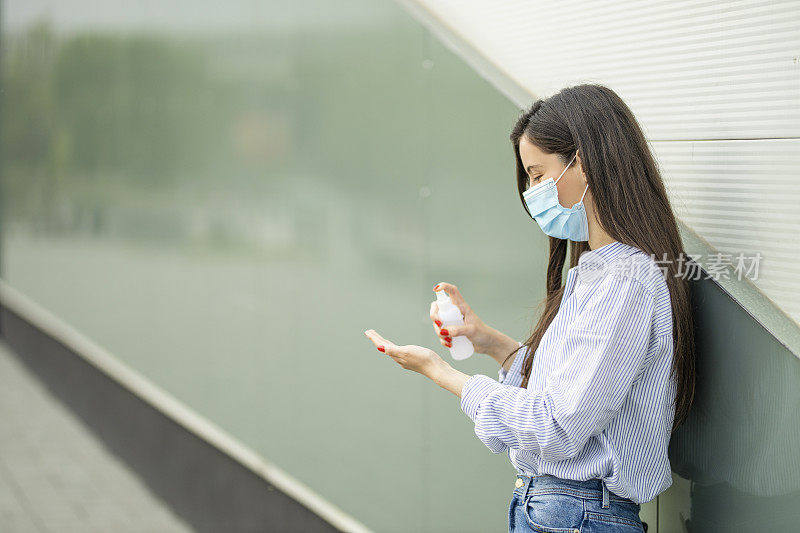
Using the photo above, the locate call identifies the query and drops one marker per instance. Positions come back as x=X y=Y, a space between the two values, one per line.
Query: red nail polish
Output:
x=382 y=349
x=444 y=332
x=448 y=339
x=448 y=345
x=438 y=323
x=436 y=288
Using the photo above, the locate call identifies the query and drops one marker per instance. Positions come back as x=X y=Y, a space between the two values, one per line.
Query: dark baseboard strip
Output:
x=209 y=479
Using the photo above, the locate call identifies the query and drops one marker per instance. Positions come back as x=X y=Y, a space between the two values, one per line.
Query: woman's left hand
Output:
x=411 y=357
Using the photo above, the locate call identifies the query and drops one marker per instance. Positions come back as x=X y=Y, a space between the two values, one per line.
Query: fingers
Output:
x=380 y=343
x=435 y=317
x=447 y=333
x=451 y=331
x=454 y=294
x=445 y=340
x=435 y=314
x=388 y=347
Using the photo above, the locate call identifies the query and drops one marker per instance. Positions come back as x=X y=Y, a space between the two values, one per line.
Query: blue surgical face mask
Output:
x=555 y=219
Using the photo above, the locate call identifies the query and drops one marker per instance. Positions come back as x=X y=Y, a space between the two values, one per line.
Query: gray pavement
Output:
x=56 y=476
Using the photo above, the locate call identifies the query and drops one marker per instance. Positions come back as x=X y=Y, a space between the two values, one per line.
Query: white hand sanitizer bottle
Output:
x=450 y=315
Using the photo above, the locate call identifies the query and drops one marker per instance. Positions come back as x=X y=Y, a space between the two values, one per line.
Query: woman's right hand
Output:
x=484 y=338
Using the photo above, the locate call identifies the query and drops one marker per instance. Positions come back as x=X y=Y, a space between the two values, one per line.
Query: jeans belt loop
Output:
x=605 y=495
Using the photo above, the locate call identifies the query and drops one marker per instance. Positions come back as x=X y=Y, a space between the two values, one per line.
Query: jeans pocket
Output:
x=553 y=513
x=608 y=523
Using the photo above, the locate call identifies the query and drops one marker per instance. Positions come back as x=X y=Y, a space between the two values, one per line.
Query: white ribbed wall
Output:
x=716 y=86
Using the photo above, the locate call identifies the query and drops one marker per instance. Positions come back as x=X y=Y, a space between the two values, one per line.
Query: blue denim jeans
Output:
x=549 y=504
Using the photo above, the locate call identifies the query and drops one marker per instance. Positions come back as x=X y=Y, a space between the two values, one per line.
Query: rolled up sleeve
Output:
x=607 y=347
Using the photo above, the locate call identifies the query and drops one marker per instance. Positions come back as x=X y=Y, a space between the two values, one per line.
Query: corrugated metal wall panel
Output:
x=689 y=70
x=742 y=197
x=715 y=85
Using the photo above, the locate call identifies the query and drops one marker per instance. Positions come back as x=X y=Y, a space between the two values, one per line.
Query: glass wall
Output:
x=225 y=197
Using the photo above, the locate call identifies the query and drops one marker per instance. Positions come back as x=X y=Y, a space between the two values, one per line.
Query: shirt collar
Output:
x=607 y=253
x=613 y=250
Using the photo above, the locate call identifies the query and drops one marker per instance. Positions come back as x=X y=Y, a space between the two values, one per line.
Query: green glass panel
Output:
x=225 y=197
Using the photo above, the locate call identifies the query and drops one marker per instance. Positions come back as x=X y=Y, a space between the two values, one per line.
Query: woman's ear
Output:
x=579 y=168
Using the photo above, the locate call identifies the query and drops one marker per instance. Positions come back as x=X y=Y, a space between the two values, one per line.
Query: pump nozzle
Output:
x=442 y=297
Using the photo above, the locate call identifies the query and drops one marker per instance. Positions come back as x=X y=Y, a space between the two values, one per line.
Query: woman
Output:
x=587 y=420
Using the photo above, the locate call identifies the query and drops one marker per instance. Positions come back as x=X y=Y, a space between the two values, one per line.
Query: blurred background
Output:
x=222 y=197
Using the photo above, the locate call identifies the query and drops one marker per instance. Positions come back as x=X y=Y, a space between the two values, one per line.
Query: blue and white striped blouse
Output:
x=599 y=398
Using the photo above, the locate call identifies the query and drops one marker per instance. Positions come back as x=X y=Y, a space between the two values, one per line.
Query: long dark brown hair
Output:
x=630 y=202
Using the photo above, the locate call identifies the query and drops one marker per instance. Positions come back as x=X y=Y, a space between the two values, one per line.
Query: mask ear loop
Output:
x=587 y=183
x=584 y=193
x=566 y=167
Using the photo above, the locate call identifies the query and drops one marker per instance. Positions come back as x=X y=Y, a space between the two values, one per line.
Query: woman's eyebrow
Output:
x=534 y=166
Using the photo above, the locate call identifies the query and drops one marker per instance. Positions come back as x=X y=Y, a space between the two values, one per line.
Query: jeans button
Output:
x=518 y=483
